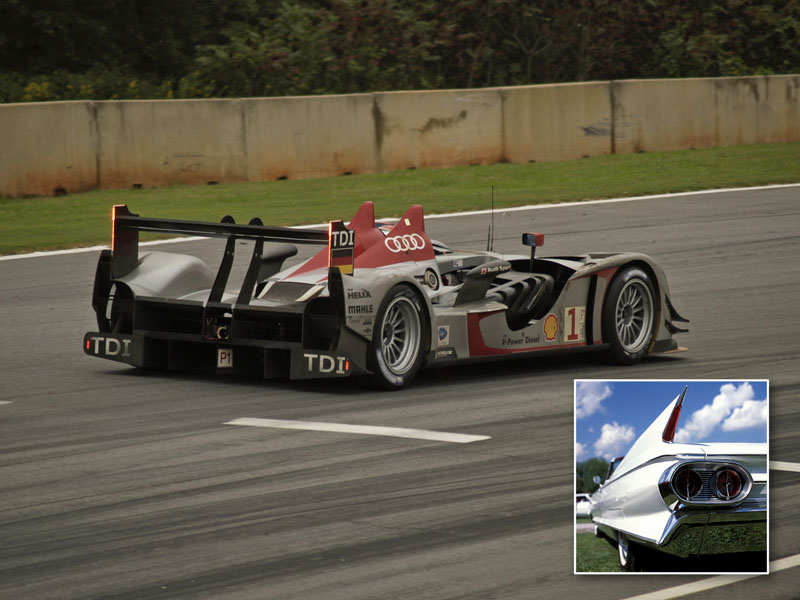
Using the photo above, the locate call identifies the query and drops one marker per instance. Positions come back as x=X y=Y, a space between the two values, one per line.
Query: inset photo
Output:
x=671 y=476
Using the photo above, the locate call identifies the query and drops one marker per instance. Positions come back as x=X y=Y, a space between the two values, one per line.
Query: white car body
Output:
x=642 y=501
x=583 y=506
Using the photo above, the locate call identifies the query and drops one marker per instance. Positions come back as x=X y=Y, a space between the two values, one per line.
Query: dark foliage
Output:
x=66 y=49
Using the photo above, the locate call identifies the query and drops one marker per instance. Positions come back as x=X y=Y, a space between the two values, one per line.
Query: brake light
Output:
x=113 y=224
x=687 y=484
x=728 y=484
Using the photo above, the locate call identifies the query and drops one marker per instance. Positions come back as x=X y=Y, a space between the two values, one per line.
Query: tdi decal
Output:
x=108 y=346
x=323 y=363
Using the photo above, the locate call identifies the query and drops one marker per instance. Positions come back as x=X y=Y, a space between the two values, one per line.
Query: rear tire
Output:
x=398 y=340
x=627 y=555
x=629 y=316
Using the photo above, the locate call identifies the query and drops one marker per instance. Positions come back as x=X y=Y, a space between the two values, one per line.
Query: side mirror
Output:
x=534 y=240
x=596 y=479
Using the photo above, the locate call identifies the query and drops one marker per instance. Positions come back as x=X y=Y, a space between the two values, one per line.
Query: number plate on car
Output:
x=224 y=358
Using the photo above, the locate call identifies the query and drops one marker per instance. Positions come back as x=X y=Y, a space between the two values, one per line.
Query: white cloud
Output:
x=753 y=413
x=589 y=396
x=614 y=438
x=580 y=451
x=730 y=401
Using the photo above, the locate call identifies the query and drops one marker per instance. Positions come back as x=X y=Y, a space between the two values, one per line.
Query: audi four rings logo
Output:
x=403 y=243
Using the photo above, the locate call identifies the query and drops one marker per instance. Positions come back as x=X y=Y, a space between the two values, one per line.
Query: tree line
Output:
x=106 y=49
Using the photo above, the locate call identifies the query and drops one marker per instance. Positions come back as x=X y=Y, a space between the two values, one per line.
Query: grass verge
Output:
x=595 y=555
x=28 y=224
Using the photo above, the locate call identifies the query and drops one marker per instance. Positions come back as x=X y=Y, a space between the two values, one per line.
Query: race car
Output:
x=381 y=300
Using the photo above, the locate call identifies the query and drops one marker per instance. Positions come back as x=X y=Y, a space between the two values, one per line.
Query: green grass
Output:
x=28 y=224
x=595 y=555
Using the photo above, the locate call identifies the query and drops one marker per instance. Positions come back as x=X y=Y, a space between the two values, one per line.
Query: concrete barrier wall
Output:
x=163 y=142
x=47 y=148
x=438 y=128
x=312 y=136
x=556 y=122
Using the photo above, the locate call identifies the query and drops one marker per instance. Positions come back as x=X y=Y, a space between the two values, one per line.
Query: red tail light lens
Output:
x=687 y=484
x=728 y=484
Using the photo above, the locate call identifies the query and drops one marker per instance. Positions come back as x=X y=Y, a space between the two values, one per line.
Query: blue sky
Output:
x=611 y=415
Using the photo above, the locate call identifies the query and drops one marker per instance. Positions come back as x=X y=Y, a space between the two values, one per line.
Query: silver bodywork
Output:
x=305 y=319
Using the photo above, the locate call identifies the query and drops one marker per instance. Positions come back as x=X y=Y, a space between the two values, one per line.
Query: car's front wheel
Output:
x=398 y=340
x=629 y=315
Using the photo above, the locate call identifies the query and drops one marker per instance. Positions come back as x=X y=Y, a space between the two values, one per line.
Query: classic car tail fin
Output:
x=653 y=442
x=672 y=423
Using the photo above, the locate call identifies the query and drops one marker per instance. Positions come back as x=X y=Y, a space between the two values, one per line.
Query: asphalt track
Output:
x=116 y=483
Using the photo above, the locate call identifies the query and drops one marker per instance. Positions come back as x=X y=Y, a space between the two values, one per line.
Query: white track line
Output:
x=418 y=434
x=784 y=466
x=610 y=200
x=714 y=582
x=441 y=216
x=5 y=402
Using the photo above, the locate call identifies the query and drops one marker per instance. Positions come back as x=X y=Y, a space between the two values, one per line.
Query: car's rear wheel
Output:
x=398 y=340
x=627 y=556
x=629 y=315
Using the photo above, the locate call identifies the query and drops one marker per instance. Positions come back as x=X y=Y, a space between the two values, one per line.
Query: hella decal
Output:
x=358 y=294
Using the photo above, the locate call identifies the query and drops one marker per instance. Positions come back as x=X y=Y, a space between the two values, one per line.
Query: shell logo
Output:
x=550 y=327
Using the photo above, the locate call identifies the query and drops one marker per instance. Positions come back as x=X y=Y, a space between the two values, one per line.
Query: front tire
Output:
x=396 y=352
x=629 y=315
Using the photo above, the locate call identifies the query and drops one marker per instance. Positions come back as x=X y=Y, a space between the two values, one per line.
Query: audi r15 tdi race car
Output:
x=379 y=300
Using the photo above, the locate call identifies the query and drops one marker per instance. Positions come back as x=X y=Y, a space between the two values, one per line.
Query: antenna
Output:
x=490 y=240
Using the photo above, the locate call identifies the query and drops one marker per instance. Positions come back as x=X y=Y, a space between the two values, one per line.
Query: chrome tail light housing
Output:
x=705 y=483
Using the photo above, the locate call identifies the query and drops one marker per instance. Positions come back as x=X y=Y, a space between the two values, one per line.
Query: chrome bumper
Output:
x=693 y=532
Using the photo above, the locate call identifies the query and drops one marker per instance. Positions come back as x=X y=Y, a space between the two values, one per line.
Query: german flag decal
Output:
x=341 y=247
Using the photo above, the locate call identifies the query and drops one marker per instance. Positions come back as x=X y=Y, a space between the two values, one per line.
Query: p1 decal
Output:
x=550 y=327
x=574 y=323
x=341 y=248
x=444 y=335
x=224 y=358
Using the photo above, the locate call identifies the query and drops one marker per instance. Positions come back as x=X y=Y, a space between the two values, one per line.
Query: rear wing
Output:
x=126 y=227
x=124 y=255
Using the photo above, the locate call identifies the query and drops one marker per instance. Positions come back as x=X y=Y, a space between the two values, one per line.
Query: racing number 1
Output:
x=575 y=317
